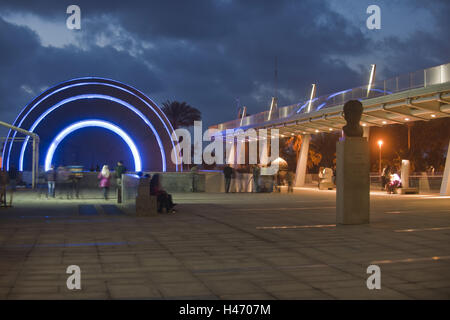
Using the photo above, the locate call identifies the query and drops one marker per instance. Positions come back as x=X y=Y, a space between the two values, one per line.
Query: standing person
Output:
x=62 y=181
x=105 y=176
x=195 y=177
x=3 y=184
x=51 y=181
x=334 y=174
x=290 y=181
x=13 y=174
x=256 y=173
x=228 y=173
x=385 y=177
x=120 y=170
x=163 y=198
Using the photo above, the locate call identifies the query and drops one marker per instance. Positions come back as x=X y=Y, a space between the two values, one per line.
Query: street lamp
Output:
x=380 y=143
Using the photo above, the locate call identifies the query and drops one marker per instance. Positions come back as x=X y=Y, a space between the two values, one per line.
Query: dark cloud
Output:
x=208 y=53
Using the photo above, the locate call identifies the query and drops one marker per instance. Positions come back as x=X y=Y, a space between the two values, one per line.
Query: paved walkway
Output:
x=227 y=246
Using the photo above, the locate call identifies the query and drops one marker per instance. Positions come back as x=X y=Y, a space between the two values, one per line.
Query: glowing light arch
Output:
x=93 y=96
x=102 y=82
x=93 y=123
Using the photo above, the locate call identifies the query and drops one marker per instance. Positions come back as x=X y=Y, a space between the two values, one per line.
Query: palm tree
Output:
x=180 y=114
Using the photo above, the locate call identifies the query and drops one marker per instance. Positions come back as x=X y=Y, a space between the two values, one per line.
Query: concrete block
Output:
x=146 y=205
x=352 y=181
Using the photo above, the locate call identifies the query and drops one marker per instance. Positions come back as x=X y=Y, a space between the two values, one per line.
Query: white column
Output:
x=405 y=173
x=300 y=173
x=445 y=186
x=366 y=132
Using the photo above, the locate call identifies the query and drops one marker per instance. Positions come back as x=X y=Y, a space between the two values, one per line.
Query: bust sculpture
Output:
x=353 y=110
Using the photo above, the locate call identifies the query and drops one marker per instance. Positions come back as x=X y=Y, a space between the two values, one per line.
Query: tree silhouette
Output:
x=180 y=114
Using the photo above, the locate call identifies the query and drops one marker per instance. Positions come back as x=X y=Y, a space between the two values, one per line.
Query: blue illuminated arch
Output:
x=93 y=96
x=93 y=123
x=98 y=81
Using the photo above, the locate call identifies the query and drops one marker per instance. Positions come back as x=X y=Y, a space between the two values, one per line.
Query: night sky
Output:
x=209 y=53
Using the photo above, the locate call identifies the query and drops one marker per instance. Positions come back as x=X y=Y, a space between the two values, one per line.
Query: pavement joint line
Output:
x=435 y=258
x=423 y=229
x=298 y=227
x=283 y=209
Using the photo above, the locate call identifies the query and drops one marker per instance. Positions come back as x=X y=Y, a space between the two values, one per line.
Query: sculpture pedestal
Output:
x=146 y=205
x=352 y=181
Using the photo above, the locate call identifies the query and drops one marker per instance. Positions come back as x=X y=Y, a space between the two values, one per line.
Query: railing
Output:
x=419 y=79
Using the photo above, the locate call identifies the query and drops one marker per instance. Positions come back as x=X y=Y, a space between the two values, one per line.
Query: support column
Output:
x=366 y=132
x=300 y=173
x=33 y=166
x=352 y=181
x=405 y=173
x=445 y=186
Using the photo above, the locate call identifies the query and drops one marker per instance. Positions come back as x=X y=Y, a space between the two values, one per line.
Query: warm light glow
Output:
x=364 y=124
x=384 y=122
x=433 y=116
x=331 y=129
x=406 y=119
x=380 y=143
x=317 y=130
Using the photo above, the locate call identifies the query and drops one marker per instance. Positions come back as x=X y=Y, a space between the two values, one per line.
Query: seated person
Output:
x=394 y=183
x=164 y=199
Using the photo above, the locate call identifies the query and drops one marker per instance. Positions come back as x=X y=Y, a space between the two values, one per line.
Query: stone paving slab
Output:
x=226 y=246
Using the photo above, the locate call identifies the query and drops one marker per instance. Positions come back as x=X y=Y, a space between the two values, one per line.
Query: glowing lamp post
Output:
x=380 y=143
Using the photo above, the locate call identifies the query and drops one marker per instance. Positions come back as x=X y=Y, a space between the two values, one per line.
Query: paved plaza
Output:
x=226 y=246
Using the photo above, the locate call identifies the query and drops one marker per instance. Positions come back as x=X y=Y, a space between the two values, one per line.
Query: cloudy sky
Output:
x=209 y=53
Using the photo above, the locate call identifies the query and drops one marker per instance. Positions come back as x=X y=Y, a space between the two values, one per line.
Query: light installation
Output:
x=93 y=81
x=93 y=123
x=93 y=96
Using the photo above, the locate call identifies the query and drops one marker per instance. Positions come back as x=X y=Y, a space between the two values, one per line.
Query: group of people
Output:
x=390 y=180
x=8 y=181
x=62 y=179
x=282 y=178
x=65 y=180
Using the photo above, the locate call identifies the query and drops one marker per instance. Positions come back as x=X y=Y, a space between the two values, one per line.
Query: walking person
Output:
x=13 y=175
x=163 y=198
x=105 y=176
x=51 y=181
x=120 y=170
x=228 y=173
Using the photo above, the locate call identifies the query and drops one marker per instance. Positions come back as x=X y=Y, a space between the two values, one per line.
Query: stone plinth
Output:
x=352 y=181
x=146 y=205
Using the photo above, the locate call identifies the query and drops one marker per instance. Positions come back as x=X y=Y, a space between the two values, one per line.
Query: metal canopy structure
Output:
x=422 y=95
x=35 y=137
